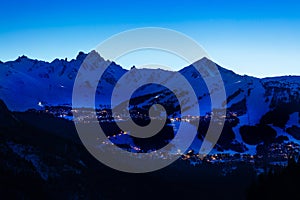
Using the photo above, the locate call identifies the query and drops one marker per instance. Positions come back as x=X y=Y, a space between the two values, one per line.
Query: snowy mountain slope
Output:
x=27 y=83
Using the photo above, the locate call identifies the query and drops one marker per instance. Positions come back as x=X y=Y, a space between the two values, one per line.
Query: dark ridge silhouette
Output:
x=40 y=162
x=277 y=183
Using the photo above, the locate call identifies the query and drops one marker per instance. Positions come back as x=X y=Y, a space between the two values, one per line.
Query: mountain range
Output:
x=263 y=106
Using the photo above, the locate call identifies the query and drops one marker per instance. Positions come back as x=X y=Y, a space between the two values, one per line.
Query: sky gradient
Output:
x=257 y=38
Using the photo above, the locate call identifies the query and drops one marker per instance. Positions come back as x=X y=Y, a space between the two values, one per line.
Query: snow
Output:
x=256 y=106
x=122 y=139
x=41 y=83
x=281 y=132
x=294 y=120
x=251 y=149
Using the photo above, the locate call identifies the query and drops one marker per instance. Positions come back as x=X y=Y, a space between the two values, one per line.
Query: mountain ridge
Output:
x=82 y=55
x=260 y=103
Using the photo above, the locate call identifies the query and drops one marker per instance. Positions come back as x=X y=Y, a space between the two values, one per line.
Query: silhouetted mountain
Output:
x=7 y=119
x=40 y=162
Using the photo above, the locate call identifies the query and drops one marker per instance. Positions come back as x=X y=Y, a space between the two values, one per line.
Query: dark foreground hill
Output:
x=38 y=162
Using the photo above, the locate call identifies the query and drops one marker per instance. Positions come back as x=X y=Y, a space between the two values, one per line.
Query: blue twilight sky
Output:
x=259 y=38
